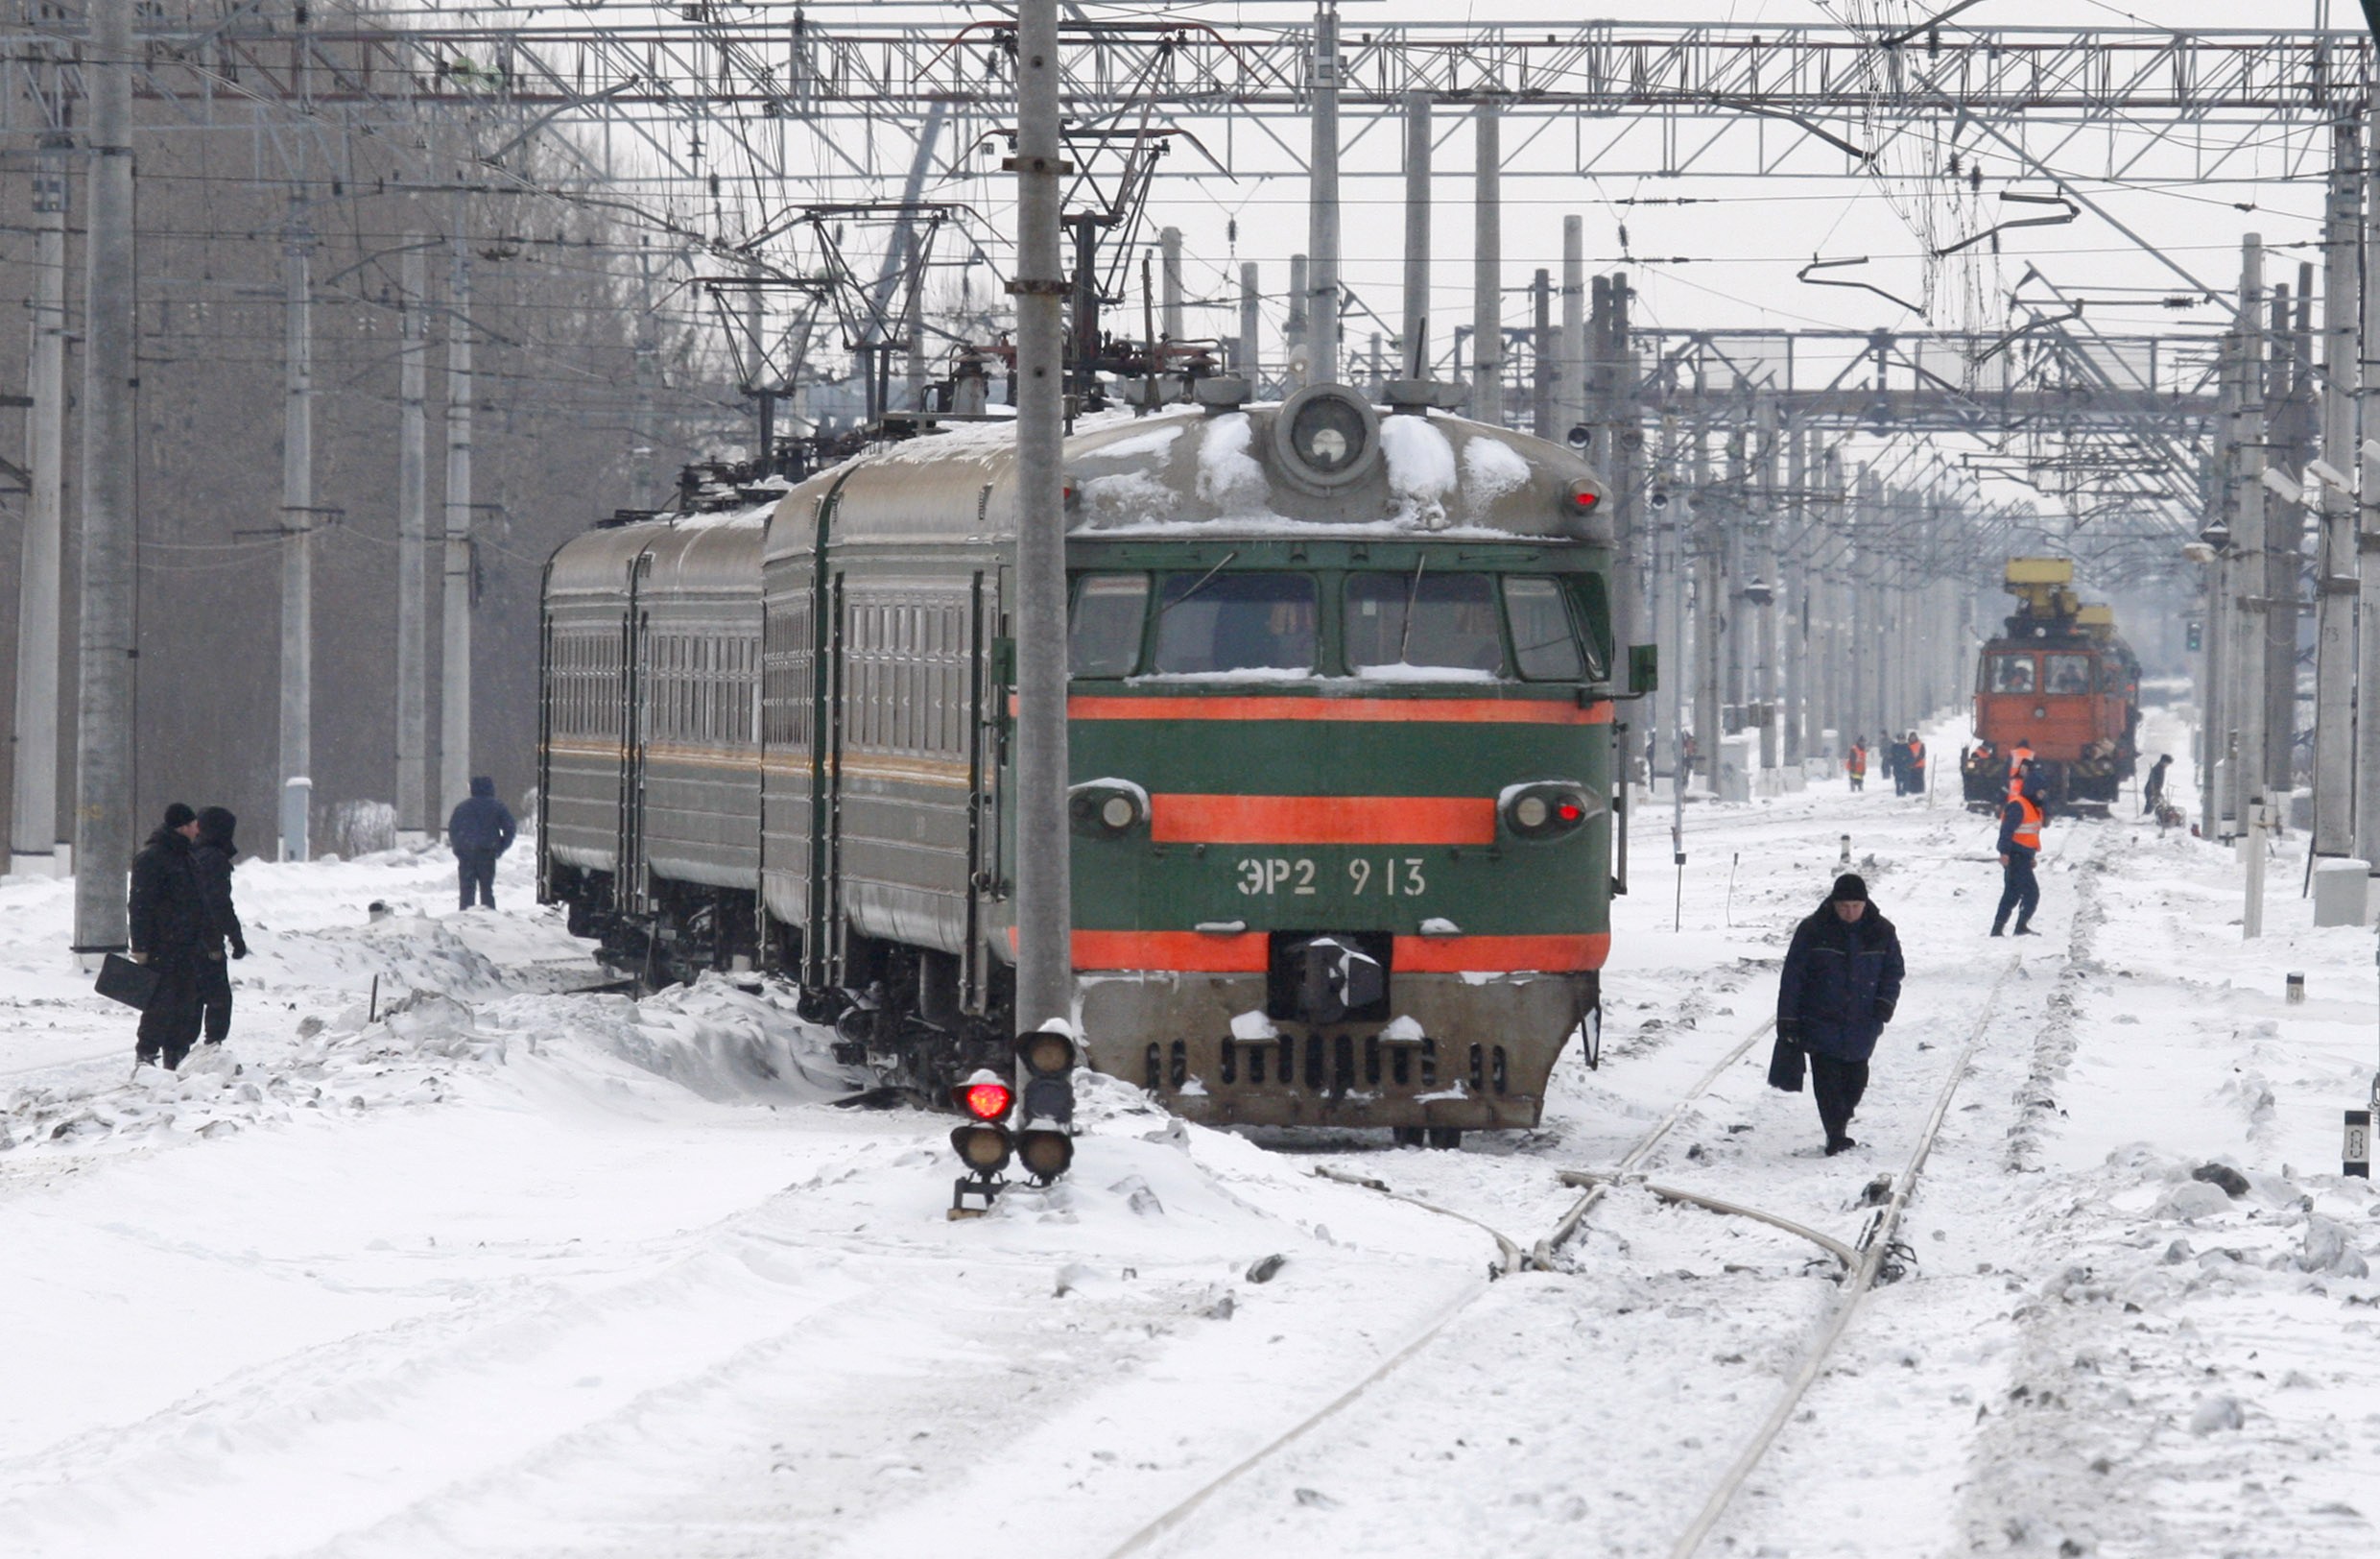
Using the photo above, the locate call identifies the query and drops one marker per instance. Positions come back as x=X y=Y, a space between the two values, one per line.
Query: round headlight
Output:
x=1117 y=811
x=1324 y=437
x=1529 y=812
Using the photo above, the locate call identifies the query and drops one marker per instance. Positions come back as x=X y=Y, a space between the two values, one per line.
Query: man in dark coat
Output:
x=213 y=856
x=169 y=926
x=1912 y=766
x=480 y=830
x=2153 y=794
x=1843 y=977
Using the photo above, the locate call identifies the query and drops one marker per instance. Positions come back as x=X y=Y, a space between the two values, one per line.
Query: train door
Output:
x=629 y=886
x=982 y=820
x=826 y=935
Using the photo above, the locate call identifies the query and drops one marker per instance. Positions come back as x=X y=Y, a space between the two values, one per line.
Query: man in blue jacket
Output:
x=480 y=830
x=1842 y=979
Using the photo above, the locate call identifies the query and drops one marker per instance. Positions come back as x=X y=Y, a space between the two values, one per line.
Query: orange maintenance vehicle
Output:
x=2059 y=682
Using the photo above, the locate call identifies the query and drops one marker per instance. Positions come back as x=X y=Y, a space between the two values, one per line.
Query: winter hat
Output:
x=179 y=816
x=1850 y=888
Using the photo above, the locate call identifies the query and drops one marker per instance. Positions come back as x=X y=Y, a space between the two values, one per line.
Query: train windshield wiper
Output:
x=1164 y=606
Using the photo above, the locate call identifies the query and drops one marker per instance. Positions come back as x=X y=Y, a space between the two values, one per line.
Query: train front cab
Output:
x=1301 y=764
x=2072 y=701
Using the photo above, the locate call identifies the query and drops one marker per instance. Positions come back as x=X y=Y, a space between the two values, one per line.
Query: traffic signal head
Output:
x=1045 y=1155
x=982 y=1148
x=983 y=1143
x=1045 y=1137
x=984 y=1096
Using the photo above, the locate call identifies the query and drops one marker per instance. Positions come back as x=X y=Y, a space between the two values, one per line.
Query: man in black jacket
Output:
x=168 y=925
x=1841 y=980
x=2153 y=794
x=212 y=857
x=479 y=830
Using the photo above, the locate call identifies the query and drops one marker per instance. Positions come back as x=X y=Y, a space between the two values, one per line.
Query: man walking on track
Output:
x=480 y=830
x=169 y=923
x=1855 y=764
x=2020 y=841
x=1841 y=980
x=1914 y=765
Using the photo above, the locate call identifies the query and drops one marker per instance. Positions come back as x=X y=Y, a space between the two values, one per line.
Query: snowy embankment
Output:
x=488 y=1265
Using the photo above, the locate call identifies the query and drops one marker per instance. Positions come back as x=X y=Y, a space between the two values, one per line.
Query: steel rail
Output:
x=1173 y=1516
x=1874 y=1245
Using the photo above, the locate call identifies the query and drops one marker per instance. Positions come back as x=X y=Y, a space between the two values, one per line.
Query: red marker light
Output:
x=986 y=1101
x=1583 y=498
x=1569 y=811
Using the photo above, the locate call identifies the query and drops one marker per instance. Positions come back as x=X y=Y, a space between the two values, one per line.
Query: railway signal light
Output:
x=2197 y=641
x=982 y=1142
x=1045 y=1062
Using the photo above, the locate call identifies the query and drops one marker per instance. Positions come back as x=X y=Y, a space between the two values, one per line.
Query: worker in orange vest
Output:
x=2020 y=841
x=1855 y=763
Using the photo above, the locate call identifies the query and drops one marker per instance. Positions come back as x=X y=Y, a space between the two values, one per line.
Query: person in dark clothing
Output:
x=1912 y=766
x=213 y=856
x=2153 y=794
x=1889 y=755
x=2020 y=841
x=169 y=926
x=1841 y=983
x=480 y=830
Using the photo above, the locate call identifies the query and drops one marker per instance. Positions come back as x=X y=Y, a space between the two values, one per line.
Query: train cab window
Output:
x=1544 y=638
x=2069 y=673
x=1212 y=621
x=1103 y=639
x=1442 y=621
x=2011 y=673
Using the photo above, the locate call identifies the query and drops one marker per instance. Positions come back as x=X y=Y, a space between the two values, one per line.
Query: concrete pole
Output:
x=1735 y=622
x=1249 y=365
x=2248 y=532
x=2290 y=419
x=1541 y=350
x=1570 y=362
x=2336 y=565
x=1709 y=609
x=1764 y=562
x=1488 y=267
x=2367 y=580
x=648 y=366
x=1793 y=695
x=453 y=701
x=1044 y=871
x=297 y=521
x=1376 y=367
x=1322 y=202
x=413 y=521
x=33 y=810
x=2215 y=679
x=104 y=736
x=1416 y=342
x=1670 y=525
x=1169 y=283
x=1297 y=366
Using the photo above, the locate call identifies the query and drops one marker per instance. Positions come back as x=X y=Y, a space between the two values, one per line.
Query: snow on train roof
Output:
x=690 y=550
x=1188 y=471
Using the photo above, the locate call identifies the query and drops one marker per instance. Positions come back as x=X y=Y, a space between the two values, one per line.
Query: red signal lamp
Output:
x=984 y=1096
x=1581 y=497
x=1568 y=812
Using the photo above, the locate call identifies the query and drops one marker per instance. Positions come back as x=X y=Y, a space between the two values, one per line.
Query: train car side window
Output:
x=1209 y=622
x=2069 y=673
x=1418 y=618
x=1104 y=638
x=2011 y=673
x=1544 y=639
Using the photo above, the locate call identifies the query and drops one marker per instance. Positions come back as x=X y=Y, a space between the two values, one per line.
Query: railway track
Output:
x=1865 y=1261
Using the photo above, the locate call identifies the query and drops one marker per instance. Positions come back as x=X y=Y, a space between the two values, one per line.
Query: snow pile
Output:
x=1421 y=469
x=1230 y=478
x=1492 y=470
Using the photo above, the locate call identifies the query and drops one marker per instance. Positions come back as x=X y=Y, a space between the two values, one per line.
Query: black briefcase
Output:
x=1785 y=1064
x=120 y=979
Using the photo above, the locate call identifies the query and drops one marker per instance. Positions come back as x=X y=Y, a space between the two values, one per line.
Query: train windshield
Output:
x=1103 y=639
x=2011 y=673
x=2069 y=673
x=1442 y=621
x=1212 y=621
x=1543 y=636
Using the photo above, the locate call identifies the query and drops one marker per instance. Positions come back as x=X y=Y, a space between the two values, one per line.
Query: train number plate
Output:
x=1388 y=876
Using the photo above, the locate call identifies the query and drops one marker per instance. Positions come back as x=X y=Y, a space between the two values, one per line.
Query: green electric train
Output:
x=1341 y=713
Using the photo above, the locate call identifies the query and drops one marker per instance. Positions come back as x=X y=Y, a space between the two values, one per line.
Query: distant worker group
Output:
x=183 y=926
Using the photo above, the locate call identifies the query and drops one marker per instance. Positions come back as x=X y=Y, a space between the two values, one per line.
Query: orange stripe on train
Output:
x=1322 y=820
x=1248 y=952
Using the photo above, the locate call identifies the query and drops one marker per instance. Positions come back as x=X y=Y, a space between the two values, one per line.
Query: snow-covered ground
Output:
x=482 y=1262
